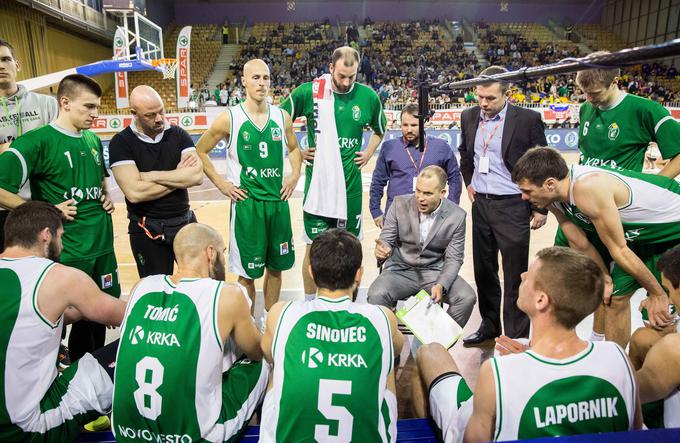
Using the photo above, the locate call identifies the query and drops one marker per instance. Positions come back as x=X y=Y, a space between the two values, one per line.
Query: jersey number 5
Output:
x=147 y=398
x=339 y=413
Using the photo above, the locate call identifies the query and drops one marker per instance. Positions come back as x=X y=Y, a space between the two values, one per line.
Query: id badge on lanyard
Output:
x=484 y=158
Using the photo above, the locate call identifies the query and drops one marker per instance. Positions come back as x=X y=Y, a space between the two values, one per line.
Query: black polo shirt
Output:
x=160 y=154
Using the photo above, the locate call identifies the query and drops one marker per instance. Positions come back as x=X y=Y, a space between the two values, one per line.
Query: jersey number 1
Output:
x=147 y=398
x=339 y=413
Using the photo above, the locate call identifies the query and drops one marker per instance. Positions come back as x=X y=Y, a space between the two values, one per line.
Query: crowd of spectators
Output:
x=393 y=54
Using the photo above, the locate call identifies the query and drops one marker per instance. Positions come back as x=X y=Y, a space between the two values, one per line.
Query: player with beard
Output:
x=179 y=374
x=37 y=298
x=337 y=109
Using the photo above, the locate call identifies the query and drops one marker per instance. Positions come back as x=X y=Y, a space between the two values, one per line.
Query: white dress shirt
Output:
x=426 y=221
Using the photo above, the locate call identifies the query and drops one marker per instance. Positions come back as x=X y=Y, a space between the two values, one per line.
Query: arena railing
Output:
x=90 y=17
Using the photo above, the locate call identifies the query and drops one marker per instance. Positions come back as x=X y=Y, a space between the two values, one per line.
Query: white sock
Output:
x=309 y=297
x=263 y=325
x=596 y=336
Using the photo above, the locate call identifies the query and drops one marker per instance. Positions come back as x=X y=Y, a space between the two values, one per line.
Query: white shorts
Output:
x=450 y=406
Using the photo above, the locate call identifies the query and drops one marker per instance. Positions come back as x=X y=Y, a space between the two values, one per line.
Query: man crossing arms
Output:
x=178 y=376
x=38 y=297
x=337 y=110
x=257 y=133
x=64 y=161
x=333 y=378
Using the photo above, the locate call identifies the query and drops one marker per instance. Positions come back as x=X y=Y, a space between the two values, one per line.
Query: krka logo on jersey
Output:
x=77 y=194
x=613 y=132
x=584 y=403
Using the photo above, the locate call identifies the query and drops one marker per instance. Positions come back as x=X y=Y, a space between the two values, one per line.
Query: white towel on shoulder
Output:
x=327 y=194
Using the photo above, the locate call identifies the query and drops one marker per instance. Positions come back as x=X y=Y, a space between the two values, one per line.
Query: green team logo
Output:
x=136 y=335
x=312 y=358
x=187 y=120
x=356 y=113
x=574 y=405
x=97 y=159
x=251 y=172
x=118 y=42
x=183 y=40
x=613 y=132
x=75 y=193
x=246 y=136
x=114 y=123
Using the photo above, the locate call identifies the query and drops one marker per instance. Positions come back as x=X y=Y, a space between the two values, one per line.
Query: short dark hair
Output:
x=71 y=85
x=598 y=76
x=573 y=281
x=335 y=257
x=25 y=222
x=9 y=46
x=539 y=164
x=493 y=70
x=669 y=265
x=411 y=109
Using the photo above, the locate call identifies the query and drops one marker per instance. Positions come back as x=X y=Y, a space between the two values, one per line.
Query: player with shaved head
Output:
x=154 y=164
x=257 y=134
x=180 y=372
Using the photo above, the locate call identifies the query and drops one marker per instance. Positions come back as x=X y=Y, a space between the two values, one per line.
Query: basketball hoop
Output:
x=168 y=65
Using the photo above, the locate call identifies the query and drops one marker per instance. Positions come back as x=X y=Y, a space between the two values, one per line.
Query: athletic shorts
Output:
x=315 y=224
x=260 y=237
x=77 y=396
x=624 y=284
x=243 y=389
x=102 y=269
x=450 y=406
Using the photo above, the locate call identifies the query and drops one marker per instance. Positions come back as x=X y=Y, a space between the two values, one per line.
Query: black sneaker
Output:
x=63 y=358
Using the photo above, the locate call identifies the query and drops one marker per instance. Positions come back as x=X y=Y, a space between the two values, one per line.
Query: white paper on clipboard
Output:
x=428 y=321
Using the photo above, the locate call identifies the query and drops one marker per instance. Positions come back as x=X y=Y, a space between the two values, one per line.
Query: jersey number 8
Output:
x=147 y=398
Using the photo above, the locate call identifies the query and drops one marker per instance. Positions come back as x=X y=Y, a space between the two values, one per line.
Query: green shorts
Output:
x=260 y=236
x=315 y=224
x=102 y=269
x=624 y=284
x=243 y=389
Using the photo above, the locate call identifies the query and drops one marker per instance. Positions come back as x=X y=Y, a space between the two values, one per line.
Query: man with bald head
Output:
x=257 y=134
x=154 y=164
x=189 y=360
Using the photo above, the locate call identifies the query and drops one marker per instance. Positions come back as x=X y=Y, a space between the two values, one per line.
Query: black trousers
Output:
x=500 y=225
x=86 y=336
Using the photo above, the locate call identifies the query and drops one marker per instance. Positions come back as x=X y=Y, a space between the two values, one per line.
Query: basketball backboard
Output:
x=144 y=37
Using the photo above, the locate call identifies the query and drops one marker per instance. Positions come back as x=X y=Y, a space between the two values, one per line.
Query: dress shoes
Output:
x=476 y=338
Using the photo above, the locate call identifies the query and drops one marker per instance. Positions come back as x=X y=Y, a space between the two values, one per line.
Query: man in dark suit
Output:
x=423 y=241
x=494 y=136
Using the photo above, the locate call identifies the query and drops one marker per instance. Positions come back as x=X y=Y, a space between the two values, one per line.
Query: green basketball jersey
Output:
x=168 y=381
x=63 y=165
x=590 y=392
x=354 y=110
x=652 y=214
x=618 y=137
x=255 y=155
x=331 y=362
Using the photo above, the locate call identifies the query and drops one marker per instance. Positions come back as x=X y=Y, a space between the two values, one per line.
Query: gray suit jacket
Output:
x=442 y=250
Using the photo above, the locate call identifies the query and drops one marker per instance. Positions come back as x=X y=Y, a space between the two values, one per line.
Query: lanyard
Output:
x=485 y=141
x=18 y=111
x=422 y=157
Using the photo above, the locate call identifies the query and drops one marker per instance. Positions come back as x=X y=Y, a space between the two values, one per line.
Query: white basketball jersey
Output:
x=592 y=391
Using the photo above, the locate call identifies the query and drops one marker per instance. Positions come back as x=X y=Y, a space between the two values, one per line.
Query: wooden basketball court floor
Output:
x=212 y=208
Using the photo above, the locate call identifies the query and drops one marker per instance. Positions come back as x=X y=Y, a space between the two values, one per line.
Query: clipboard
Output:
x=428 y=321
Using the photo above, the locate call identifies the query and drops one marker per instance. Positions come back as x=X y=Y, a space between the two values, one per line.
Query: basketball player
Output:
x=574 y=387
x=38 y=297
x=23 y=110
x=333 y=378
x=260 y=231
x=615 y=130
x=178 y=374
x=337 y=110
x=659 y=375
x=635 y=215
x=64 y=160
